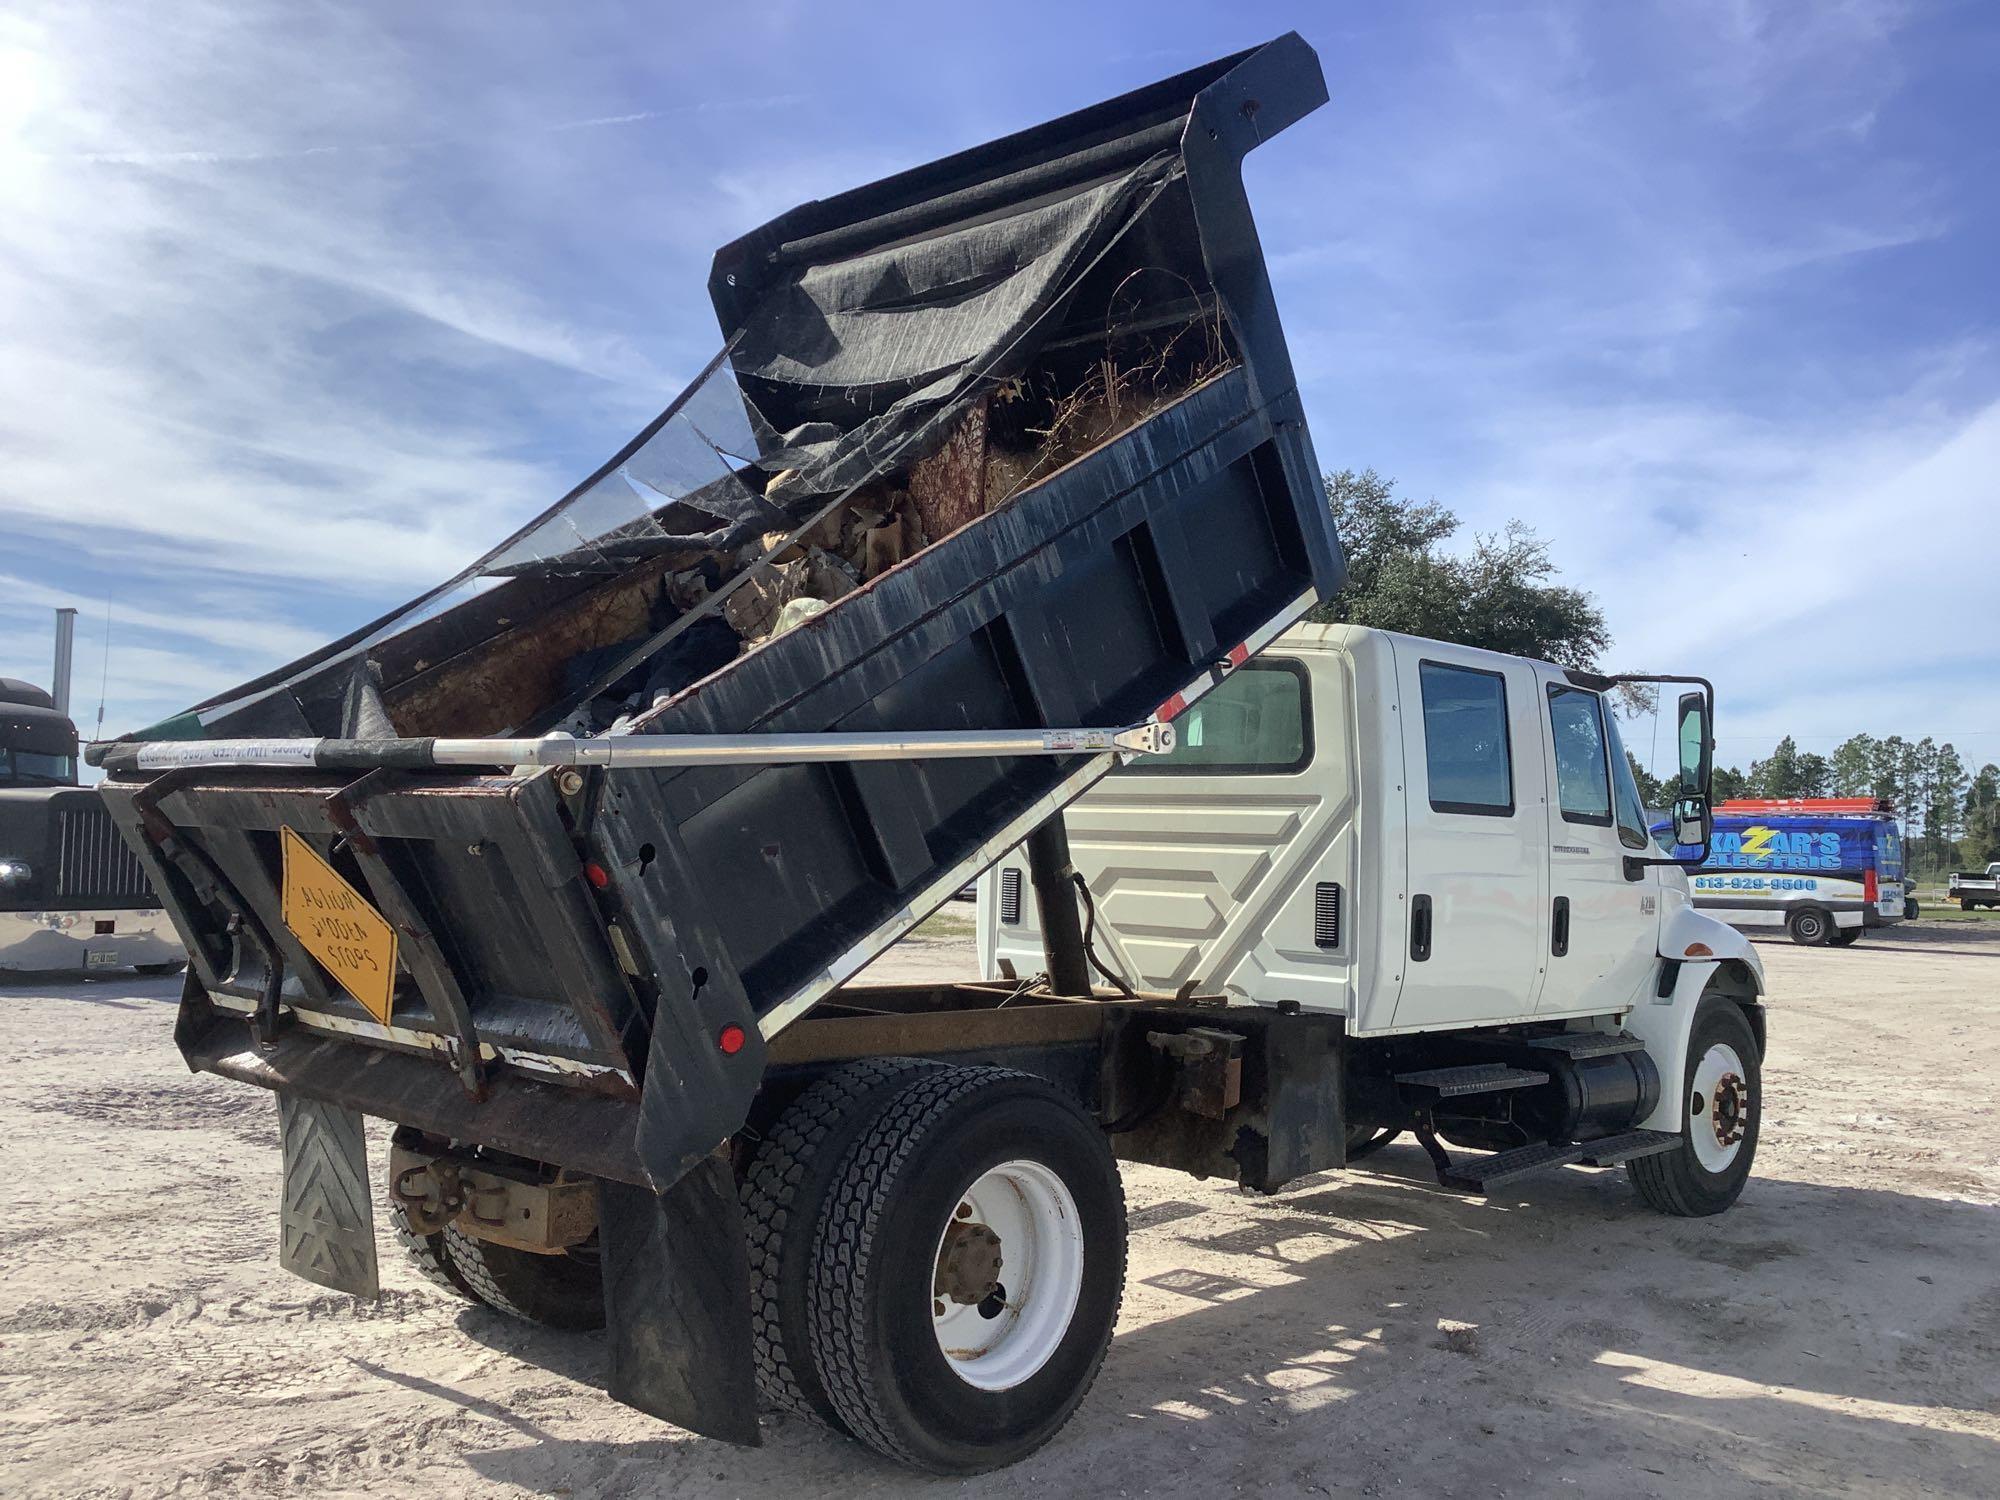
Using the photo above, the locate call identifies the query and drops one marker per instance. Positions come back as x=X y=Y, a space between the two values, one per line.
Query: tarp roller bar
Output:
x=616 y=751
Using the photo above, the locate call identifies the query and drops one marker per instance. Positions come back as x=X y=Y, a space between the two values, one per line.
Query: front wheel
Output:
x=1722 y=1096
x=1809 y=926
x=968 y=1269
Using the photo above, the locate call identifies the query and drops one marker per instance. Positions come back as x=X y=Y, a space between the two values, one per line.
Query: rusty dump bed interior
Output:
x=1007 y=441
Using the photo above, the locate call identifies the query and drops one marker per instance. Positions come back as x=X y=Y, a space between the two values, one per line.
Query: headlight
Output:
x=15 y=872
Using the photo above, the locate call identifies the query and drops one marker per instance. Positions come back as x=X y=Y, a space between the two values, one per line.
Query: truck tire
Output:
x=432 y=1259
x=556 y=1291
x=1911 y=911
x=1809 y=926
x=1722 y=1095
x=968 y=1180
x=1844 y=937
x=1966 y=903
x=783 y=1193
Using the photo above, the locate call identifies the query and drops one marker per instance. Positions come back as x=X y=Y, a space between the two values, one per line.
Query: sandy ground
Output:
x=1837 y=1333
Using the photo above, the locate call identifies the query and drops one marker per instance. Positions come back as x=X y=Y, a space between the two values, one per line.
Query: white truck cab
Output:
x=1416 y=836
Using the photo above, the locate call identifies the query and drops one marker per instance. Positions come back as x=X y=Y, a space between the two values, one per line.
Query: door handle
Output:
x=1559 y=928
x=1420 y=929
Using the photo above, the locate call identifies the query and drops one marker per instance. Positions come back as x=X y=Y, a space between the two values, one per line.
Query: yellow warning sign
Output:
x=338 y=927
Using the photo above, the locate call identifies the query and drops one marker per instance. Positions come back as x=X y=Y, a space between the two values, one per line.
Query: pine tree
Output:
x=1981 y=808
x=1853 y=769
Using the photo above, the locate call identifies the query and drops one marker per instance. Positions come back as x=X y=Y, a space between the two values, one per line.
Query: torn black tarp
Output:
x=860 y=358
x=801 y=432
x=842 y=373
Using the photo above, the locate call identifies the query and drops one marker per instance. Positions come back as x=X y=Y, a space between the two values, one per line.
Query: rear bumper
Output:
x=71 y=941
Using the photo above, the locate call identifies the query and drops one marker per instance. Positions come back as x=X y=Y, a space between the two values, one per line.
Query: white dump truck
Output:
x=568 y=867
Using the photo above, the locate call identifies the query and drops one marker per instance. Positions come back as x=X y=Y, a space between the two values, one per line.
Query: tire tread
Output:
x=849 y=1237
x=783 y=1170
x=427 y=1251
x=555 y=1292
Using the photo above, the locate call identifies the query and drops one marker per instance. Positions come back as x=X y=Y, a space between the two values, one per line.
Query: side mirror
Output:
x=1694 y=824
x=1696 y=749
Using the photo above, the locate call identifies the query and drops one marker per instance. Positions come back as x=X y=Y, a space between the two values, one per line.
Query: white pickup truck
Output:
x=1974 y=891
x=1444 y=848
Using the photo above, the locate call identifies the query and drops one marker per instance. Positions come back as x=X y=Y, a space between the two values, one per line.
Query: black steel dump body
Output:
x=1028 y=415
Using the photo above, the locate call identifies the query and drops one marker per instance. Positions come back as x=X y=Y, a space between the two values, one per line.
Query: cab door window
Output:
x=1467 y=756
x=1583 y=777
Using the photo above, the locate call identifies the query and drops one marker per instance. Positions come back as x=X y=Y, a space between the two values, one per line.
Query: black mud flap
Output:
x=677 y=1302
x=327 y=1221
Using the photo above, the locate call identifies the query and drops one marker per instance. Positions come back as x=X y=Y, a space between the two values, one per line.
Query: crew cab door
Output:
x=1600 y=927
x=1477 y=835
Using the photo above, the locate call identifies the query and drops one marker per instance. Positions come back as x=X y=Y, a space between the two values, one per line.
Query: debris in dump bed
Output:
x=752 y=609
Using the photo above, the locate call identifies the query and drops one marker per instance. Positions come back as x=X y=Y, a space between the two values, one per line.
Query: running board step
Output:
x=1474 y=1078
x=1630 y=1146
x=1580 y=1044
x=1486 y=1173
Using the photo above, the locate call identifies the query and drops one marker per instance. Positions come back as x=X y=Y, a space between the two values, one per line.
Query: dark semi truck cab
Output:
x=73 y=897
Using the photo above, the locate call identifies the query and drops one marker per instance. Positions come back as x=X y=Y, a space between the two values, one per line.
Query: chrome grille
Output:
x=92 y=859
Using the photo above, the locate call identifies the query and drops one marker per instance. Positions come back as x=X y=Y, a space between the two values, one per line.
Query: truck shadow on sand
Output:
x=1816 y=1338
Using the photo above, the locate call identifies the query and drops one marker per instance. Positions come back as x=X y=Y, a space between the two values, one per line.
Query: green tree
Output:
x=1891 y=770
x=1853 y=768
x=1499 y=596
x=1788 y=772
x=1652 y=791
x=1730 y=782
x=1981 y=845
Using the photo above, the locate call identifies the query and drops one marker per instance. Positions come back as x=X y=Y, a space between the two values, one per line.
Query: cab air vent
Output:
x=1326 y=914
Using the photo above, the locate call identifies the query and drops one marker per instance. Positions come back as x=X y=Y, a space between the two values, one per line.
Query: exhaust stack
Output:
x=65 y=651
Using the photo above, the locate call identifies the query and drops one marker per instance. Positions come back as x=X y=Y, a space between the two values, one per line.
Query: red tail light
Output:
x=1871 y=889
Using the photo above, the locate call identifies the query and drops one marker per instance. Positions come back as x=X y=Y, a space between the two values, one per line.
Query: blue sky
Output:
x=307 y=305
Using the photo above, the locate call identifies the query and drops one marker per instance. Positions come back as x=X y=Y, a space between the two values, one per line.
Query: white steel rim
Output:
x=1719 y=1106
x=1041 y=1247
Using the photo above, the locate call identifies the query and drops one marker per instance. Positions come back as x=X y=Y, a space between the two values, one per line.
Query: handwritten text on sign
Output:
x=336 y=925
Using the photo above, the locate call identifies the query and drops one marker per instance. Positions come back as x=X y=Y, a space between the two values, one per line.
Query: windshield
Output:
x=35 y=768
x=1890 y=860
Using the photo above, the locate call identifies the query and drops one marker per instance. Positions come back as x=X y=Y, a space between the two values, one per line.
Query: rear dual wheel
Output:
x=966 y=1261
x=564 y=1290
